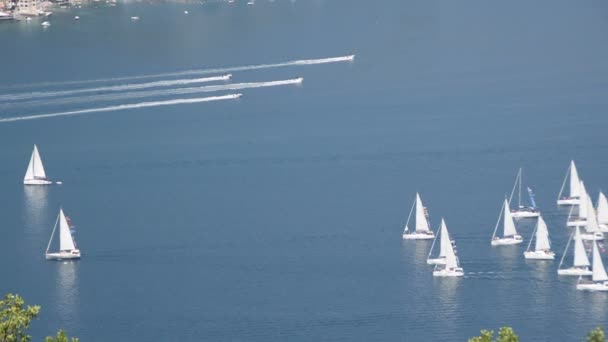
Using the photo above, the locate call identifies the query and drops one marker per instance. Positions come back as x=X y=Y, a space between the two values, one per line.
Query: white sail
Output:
x=542 y=236
x=602 y=209
x=582 y=206
x=592 y=225
x=66 y=242
x=509 y=225
x=575 y=190
x=35 y=169
x=580 y=256
x=450 y=257
x=422 y=224
x=599 y=272
x=445 y=240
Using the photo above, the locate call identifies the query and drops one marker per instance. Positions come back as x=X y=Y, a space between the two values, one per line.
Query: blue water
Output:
x=278 y=217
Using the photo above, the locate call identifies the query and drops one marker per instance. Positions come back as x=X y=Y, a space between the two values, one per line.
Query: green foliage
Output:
x=596 y=335
x=505 y=334
x=486 y=336
x=15 y=318
x=61 y=337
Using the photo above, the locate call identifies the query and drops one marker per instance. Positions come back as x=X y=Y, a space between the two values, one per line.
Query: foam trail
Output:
x=122 y=87
x=160 y=92
x=348 y=58
x=123 y=107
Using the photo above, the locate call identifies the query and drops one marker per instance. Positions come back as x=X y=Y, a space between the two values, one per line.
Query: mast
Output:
x=580 y=256
x=519 y=195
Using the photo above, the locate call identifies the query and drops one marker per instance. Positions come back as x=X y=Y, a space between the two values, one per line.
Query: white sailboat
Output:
x=510 y=236
x=67 y=245
x=542 y=245
x=580 y=264
x=573 y=197
x=451 y=268
x=602 y=212
x=523 y=211
x=599 y=278
x=35 y=174
x=423 y=230
x=444 y=241
x=592 y=228
x=581 y=218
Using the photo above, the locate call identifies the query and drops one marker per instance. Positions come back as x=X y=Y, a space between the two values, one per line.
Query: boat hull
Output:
x=601 y=286
x=507 y=241
x=568 y=201
x=37 y=182
x=577 y=222
x=63 y=255
x=575 y=271
x=437 y=261
x=418 y=236
x=593 y=237
x=539 y=255
x=453 y=272
x=525 y=214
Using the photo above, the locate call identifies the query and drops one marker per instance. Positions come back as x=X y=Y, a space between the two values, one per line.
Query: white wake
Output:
x=347 y=58
x=122 y=107
x=121 y=87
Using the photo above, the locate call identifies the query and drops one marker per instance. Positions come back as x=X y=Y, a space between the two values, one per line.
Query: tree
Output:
x=596 y=335
x=61 y=337
x=505 y=334
x=486 y=336
x=15 y=318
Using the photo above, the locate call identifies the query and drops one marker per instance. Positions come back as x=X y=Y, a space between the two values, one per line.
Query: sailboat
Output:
x=451 y=268
x=581 y=219
x=523 y=211
x=580 y=265
x=602 y=212
x=35 y=174
x=599 y=278
x=573 y=198
x=423 y=230
x=592 y=228
x=67 y=245
x=542 y=245
x=444 y=241
x=510 y=236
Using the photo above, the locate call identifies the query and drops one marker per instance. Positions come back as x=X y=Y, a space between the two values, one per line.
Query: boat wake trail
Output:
x=122 y=107
x=348 y=58
x=157 y=93
x=122 y=87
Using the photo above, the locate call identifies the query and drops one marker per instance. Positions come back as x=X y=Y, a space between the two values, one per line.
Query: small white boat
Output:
x=186 y=12
x=599 y=278
x=510 y=236
x=542 y=245
x=581 y=218
x=35 y=174
x=76 y=18
x=251 y=2
x=135 y=18
x=67 y=245
x=573 y=197
x=423 y=230
x=580 y=264
x=444 y=240
x=45 y=24
x=451 y=268
x=522 y=211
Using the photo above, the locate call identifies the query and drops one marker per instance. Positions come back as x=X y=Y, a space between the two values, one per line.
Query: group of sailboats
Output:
x=446 y=262
x=67 y=249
